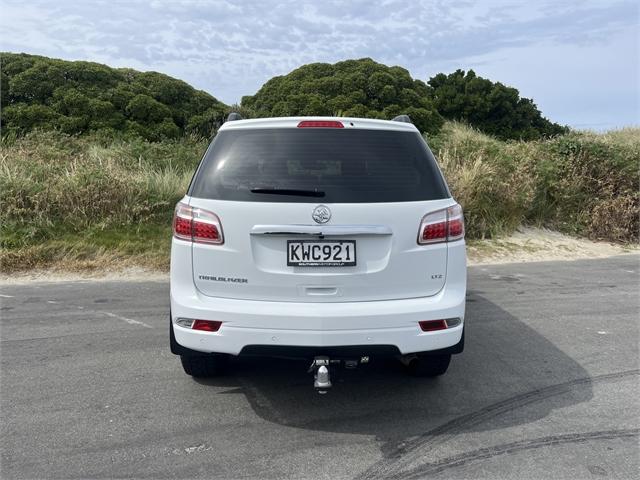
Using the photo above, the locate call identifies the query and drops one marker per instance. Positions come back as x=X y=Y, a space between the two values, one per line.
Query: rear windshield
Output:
x=329 y=165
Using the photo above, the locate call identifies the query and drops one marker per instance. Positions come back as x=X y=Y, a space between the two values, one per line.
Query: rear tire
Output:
x=204 y=366
x=428 y=365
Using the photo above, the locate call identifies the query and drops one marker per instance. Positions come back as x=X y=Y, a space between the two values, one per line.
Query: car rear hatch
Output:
x=319 y=215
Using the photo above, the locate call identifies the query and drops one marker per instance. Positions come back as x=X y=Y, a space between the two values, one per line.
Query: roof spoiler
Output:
x=234 y=116
x=402 y=118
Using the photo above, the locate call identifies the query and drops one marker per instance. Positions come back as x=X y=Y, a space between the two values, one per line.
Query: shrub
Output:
x=66 y=196
x=585 y=176
x=490 y=179
x=51 y=180
x=82 y=97
x=491 y=107
x=580 y=183
x=353 y=88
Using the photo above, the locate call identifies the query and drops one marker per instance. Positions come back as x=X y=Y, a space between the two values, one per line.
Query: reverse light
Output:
x=197 y=225
x=320 y=124
x=184 y=322
x=453 y=322
x=446 y=225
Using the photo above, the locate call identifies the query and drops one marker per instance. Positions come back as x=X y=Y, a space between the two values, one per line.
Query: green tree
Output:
x=205 y=123
x=78 y=97
x=359 y=88
x=146 y=110
x=36 y=84
x=490 y=107
x=4 y=89
x=23 y=117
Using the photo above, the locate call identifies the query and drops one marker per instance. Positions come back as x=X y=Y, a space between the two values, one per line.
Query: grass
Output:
x=90 y=201
x=95 y=202
x=94 y=250
x=581 y=183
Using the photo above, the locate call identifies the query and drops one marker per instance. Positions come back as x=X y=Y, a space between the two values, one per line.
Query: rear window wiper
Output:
x=288 y=191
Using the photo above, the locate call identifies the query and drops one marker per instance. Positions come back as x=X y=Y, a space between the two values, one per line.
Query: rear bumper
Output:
x=250 y=323
x=236 y=340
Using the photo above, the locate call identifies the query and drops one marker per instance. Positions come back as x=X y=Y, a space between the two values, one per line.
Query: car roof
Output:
x=292 y=122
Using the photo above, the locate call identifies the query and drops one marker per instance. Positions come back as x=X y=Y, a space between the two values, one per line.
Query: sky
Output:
x=577 y=59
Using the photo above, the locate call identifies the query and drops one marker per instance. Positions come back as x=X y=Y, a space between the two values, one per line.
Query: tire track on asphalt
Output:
x=409 y=451
x=508 y=448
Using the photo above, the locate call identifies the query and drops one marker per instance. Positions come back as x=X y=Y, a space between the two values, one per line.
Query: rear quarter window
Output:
x=347 y=165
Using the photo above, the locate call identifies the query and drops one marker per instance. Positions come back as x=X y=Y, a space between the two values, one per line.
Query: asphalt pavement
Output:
x=547 y=388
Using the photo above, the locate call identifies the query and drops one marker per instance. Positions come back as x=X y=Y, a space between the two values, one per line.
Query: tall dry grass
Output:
x=50 y=179
x=95 y=200
x=89 y=200
x=581 y=183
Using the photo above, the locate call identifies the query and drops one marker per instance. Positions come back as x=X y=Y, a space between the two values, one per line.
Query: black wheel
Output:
x=428 y=365
x=204 y=366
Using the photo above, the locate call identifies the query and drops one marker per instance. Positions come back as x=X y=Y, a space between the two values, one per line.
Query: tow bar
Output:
x=320 y=368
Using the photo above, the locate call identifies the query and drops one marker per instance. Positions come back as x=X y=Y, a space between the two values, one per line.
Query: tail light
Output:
x=197 y=225
x=445 y=225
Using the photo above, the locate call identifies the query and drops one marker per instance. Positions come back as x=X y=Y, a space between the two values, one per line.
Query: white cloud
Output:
x=231 y=48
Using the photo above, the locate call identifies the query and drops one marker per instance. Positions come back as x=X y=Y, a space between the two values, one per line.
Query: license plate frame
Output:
x=348 y=257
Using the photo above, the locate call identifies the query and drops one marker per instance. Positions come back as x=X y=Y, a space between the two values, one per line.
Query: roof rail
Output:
x=402 y=118
x=234 y=116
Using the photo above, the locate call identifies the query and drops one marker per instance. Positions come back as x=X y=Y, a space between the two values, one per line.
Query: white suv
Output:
x=330 y=238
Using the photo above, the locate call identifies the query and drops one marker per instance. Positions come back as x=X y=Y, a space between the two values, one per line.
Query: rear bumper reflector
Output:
x=203 y=325
x=433 y=325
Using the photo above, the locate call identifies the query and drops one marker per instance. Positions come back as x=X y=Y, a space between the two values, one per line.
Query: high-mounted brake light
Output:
x=320 y=124
x=445 y=225
x=197 y=225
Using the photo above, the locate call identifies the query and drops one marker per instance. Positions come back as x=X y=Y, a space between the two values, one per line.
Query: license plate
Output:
x=321 y=253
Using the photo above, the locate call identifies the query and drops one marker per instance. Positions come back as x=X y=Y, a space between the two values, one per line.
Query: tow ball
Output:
x=321 y=377
x=321 y=374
